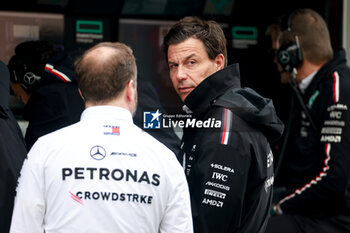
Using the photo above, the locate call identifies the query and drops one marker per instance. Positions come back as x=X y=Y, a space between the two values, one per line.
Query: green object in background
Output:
x=246 y=33
x=89 y=26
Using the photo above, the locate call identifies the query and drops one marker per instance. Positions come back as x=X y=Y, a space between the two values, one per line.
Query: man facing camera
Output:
x=229 y=167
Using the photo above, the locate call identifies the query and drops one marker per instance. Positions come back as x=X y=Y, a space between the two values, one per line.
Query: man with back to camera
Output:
x=229 y=168
x=315 y=169
x=102 y=174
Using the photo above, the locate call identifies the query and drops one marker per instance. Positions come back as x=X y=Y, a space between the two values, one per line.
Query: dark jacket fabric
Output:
x=12 y=152
x=55 y=102
x=316 y=166
x=229 y=168
x=148 y=99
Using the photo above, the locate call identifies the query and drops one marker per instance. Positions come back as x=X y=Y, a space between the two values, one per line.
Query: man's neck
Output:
x=306 y=69
x=117 y=102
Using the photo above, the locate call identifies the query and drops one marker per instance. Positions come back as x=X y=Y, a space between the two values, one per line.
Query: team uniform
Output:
x=229 y=166
x=55 y=102
x=12 y=151
x=316 y=167
x=102 y=174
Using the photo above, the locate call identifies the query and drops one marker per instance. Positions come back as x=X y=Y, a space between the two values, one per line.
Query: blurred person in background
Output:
x=43 y=78
x=313 y=173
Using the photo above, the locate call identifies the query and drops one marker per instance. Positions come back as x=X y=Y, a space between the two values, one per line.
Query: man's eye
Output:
x=172 y=66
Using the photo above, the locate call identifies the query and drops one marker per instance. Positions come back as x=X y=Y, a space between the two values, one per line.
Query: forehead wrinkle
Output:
x=185 y=58
x=195 y=47
x=183 y=53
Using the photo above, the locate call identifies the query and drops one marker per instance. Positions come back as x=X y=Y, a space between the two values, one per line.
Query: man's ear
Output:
x=81 y=95
x=131 y=90
x=220 y=61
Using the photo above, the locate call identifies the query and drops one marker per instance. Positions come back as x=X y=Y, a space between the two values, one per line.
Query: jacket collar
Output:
x=201 y=98
x=326 y=71
x=106 y=112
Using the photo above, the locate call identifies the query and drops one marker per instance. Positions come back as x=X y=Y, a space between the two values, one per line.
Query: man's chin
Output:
x=183 y=97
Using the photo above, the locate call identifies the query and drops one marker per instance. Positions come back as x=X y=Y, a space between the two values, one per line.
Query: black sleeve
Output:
x=12 y=154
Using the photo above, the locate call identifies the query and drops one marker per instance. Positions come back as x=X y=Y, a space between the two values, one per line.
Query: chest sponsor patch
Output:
x=82 y=196
x=217 y=185
x=222 y=168
x=113 y=175
x=211 y=202
x=214 y=193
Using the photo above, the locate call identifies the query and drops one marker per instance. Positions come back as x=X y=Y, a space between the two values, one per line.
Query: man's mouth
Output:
x=185 y=89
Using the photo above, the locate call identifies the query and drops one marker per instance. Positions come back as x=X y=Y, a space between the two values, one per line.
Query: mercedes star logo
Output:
x=98 y=152
x=30 y=78
x=284 y=57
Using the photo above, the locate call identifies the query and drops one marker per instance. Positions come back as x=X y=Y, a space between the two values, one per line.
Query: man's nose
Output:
x=181 y=73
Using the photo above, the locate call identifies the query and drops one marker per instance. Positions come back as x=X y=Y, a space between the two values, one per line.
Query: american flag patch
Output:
x=111 y=130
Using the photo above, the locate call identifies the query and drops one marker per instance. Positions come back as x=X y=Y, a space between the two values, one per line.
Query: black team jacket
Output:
x=229 y=166
x=316 y=166
x=55 y=102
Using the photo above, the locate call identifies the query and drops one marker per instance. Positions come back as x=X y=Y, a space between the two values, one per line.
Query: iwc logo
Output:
x=98 y=152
